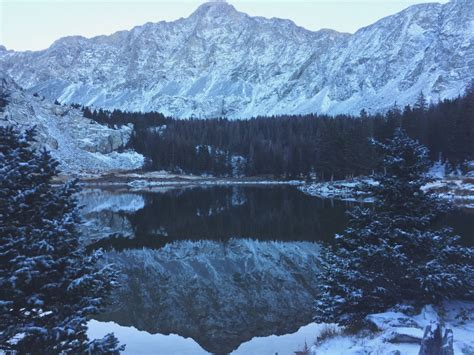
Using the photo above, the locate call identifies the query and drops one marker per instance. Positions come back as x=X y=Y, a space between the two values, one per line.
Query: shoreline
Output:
x=146 y=181
x=458 y=189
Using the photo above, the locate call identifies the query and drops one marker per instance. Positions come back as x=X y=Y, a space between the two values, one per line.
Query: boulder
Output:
x=59 y=110
x=404 y=335
x=391 y=319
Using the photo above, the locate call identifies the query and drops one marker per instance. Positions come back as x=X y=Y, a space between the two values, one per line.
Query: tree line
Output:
x=301 y=146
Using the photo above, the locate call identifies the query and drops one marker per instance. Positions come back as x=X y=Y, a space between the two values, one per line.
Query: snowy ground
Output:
x=403 y=333
x=458 y=190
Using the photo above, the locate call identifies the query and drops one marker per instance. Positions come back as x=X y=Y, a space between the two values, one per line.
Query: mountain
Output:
x=81 y=146
x=221 y=62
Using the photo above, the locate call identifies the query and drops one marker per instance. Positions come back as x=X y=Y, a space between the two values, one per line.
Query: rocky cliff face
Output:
x=221 y=62
x=82 y=146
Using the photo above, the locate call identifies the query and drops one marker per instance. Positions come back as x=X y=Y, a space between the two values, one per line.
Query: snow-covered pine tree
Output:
x=390 y=253
x=48 y=283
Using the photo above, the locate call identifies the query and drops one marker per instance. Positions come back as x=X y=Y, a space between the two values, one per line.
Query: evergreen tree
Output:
x=390 y=253
x=3 y=100
x=48 y=283
x=421 y=104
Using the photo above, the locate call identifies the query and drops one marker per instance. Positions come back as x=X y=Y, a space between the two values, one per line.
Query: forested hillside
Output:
x=297 y=146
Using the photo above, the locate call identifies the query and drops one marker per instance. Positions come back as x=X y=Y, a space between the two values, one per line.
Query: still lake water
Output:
x=220 y=265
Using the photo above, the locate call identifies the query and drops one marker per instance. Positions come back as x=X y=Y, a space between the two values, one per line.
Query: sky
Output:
x=36 y=24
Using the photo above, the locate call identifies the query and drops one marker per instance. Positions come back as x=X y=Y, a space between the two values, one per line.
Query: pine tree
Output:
x=421 y=102
x=48 y=283
x=390 y=253
x=3 y=100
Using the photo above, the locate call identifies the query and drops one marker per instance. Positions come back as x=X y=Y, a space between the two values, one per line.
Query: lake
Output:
x=218 y=269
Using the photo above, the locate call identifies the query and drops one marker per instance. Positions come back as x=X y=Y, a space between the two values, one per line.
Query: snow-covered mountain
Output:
x=221 y=62
x=81 y=146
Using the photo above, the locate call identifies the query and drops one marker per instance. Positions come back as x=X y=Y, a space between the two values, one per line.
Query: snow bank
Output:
x=460 y=191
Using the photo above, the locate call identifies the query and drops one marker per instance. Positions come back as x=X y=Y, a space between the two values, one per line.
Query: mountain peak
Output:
x=215 y=8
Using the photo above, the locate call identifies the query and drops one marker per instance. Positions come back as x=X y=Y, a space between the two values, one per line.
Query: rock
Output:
x=116 y=141
x=59 y=110
x=405 y=335
x=51 y=143
x=434 y=343
x=389 y=319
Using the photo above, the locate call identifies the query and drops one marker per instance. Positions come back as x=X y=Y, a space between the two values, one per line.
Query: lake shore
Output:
x=149 y=180
x=459 y=190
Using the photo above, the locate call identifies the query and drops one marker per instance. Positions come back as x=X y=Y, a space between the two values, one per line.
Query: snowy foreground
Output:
x=398 y=332
x=402 y=333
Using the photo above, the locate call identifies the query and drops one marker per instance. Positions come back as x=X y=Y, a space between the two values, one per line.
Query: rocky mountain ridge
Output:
x=222 y=62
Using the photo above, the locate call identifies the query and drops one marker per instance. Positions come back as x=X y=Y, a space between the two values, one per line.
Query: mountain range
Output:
x=220 y=62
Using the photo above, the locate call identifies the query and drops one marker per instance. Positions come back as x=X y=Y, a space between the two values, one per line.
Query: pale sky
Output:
x=36 y=24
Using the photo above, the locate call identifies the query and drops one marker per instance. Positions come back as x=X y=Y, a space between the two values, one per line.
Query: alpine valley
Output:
x=220 y=62
x=244 y=185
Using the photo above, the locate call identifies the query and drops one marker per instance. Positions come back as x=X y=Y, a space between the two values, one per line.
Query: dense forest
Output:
x=305 y=146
